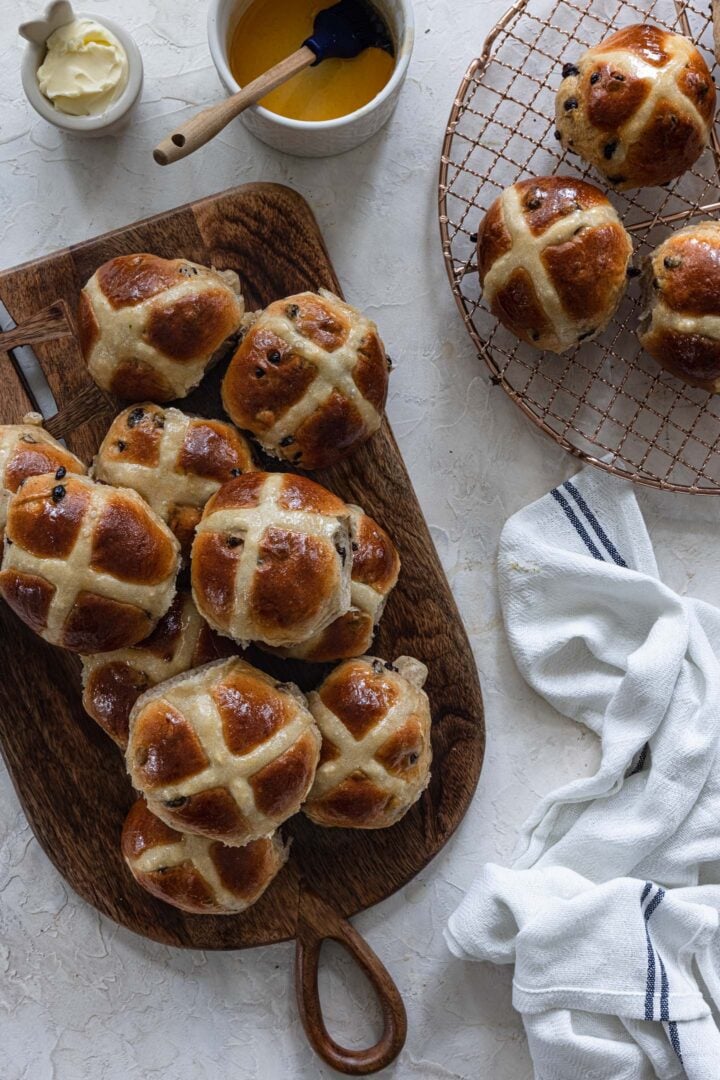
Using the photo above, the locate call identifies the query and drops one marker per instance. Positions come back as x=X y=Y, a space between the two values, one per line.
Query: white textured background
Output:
x=81 y=999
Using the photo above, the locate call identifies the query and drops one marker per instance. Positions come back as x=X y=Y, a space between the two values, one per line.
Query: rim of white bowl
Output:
x=404 y=49
x=33 y=58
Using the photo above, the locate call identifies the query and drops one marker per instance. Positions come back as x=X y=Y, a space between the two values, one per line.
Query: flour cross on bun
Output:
x=309 y=379
x=224 y=751
x=176 y=462
x=375 y=570
x=376 y=753
x=553 y=260
x=28 y=450
x=149 y=327
x=201 y=876
x=272 y=558
x=86 y=566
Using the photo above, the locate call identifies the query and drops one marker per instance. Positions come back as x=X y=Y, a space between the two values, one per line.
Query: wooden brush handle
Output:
x=318 y=922
x=208 y=123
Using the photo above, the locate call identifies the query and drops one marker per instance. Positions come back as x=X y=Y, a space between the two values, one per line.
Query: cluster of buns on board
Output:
x=553 y=256
x=174 y=551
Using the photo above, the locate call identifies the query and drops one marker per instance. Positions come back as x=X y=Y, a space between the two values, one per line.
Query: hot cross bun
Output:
x=553 y=260
x=86 y=566
x=28 y=450
x=176 y=462
x=193 y=873
x=271 y=559
x=114 y=681
x=376 y=753
x=375 y=570
x=149 y=327
x=681 y=326
x=224 y=751
x=309 y=380
x=639 y=106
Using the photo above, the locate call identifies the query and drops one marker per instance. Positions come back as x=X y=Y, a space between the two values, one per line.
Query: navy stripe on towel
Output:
x=599 y=531
x=675 y=1039
x=577 y=524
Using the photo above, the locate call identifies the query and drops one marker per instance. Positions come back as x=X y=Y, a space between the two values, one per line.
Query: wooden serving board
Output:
x=68 y=775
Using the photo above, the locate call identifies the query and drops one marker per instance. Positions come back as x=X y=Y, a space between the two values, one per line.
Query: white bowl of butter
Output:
x=80 y=72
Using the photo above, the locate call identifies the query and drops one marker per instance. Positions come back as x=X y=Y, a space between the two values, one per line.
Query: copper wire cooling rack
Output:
x=607 y=402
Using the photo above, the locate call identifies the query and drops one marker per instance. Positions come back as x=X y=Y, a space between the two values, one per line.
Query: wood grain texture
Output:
x=69 y=776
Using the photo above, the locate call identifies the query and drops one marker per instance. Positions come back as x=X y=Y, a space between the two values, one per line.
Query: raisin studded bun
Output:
x=309 y=380
x=193 y=873
x=149 y=327
x=271 y=559
x=375 y=570
x=224 y=751
x=88 y=567
x=176 y=462
x=553 y=259
x=376 y=753
x=114 y=681
x=681 y=326
x=28 y=450
x=638 y=106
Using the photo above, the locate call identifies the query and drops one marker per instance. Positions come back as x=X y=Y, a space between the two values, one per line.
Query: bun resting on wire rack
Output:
x=149 y=327
x=639 y=106
x=681 y=325
x=553 y=258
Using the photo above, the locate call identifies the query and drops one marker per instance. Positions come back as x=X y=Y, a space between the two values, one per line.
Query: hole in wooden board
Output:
x=349 y=1003
x=29 y=371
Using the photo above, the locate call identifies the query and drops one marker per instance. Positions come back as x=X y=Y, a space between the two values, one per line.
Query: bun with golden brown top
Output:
x=28 y=450
x=639 y=106
x=86 y=566
x=176 y=462
x=681 y=326
x=149 y=327
x=271 y=559
x=309 y=379
x=553 y=258
x=376 y=753
x=224 y=751
x=201 y=876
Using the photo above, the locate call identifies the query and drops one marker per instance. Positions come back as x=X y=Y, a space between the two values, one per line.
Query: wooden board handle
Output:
x=53 y=322
x=318 y=922
x=200 y=129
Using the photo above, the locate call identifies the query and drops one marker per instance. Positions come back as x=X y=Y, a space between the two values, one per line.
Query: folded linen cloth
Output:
x=610 y=912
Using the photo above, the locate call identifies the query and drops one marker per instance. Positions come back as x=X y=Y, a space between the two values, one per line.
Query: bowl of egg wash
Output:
x=326 y=109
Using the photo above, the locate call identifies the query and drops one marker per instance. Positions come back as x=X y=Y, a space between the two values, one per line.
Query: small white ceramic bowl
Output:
x=317 y=138
x=115 y=117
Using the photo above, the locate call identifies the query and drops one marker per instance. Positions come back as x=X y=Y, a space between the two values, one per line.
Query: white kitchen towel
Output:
x=611 y=907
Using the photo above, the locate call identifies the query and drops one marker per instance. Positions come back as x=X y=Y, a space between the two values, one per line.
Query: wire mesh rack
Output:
x=607 y=402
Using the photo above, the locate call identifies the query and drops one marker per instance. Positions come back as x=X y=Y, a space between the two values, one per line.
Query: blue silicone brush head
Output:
x=347 y=29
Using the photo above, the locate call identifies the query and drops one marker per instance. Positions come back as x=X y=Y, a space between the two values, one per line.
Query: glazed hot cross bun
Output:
x=639 y=106
x=375 y=570
x=88 y=567
x=149 y=327
x=309 y=380
x=553 y=259
x=271 y=559
x=176 y=462
x=224 y=751
x=681 y=326
x=114 y=681
x=193 y=873
x=376 y=753
x=28 y=450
